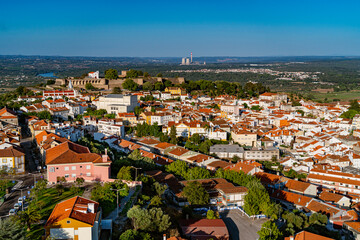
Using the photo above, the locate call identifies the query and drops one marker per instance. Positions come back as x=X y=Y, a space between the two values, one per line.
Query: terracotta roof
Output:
x=178 y=151
x=75 y=208
x=11 y=152
x=304 y=235
x=164 y=145
x=330 y=197
x=69 y=152
x=297 y=185
x=204 y=228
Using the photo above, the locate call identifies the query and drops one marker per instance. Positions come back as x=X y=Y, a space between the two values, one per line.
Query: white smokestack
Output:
x=191 y=57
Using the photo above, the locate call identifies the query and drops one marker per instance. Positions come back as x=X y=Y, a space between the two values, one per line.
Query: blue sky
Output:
x=175 y=28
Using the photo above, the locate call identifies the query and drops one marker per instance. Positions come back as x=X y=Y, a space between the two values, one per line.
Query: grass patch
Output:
x=50 y=198
x=343 y=96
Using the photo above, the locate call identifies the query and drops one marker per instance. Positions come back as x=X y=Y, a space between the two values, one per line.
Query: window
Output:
x=68 y=221
x=73 y=175
x=52 y=169
x=66 y=175
x=4 y=161
x=66 y=168
x=80 y=166
x=88 y=166
x=73 y=168
x=57 y=168
x=88 y=174
x=76 y=232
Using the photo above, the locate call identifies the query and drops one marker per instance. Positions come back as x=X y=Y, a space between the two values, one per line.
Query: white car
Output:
x=12 y=212
x=21 y=200
x=17 y=206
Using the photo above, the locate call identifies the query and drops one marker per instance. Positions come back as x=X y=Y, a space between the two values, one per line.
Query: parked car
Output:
x=12 y=212
x=21 y=200
x=17 y=206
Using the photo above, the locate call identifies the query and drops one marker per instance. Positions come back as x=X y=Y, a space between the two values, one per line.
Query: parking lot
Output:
x=241 y=227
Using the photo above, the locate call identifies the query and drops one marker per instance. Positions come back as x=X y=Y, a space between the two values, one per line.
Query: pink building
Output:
x=71 y=160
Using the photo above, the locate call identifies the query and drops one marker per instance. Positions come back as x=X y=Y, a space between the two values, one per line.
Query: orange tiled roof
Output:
x=75 y=208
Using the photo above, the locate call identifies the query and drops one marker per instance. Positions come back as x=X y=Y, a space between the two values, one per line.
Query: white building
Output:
x=94 y=74
x=117 y=103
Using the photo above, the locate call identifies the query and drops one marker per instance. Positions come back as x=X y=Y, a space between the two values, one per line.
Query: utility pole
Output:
x=136 y=171
x=117 y=199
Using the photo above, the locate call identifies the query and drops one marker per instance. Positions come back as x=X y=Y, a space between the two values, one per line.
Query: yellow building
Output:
x=175 y=90
x=12 y=158
x=77 y=218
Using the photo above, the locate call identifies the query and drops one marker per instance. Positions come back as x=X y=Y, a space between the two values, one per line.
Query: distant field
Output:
x=344 y=96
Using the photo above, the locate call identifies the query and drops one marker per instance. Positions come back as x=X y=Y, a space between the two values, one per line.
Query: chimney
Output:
x=164 y=237
x=105 y=156
x=91 y=207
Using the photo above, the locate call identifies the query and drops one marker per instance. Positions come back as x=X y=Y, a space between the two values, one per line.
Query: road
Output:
x=241 y=227
x=28 y=181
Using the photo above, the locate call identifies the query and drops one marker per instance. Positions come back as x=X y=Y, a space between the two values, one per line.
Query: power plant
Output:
x=189 y=61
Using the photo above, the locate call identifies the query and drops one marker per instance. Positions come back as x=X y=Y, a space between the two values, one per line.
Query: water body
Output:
x=48 y=75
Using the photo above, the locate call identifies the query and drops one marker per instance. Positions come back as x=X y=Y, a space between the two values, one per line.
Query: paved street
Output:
x=28 y=181
x=241 y=227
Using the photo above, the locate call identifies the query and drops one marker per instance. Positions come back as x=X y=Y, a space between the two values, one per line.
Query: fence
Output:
x=242 y=211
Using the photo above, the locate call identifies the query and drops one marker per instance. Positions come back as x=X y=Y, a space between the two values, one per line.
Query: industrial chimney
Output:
x=191 y=58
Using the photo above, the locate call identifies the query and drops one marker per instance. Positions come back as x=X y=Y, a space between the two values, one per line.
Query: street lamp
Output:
x=34 y=174
x=136 y=171
x=117 y=199
x=268 y=229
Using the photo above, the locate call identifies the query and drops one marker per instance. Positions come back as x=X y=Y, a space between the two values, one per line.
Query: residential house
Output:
x=12 y=159
x=71 y=160
x=227 y=151
x=76 y=218
x=244 y=137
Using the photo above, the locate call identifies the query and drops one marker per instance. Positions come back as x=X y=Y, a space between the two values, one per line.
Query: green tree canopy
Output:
x=269 y=231
x=116 y=90
x=129 y=84
x=173 y=139
x=89 y=86
x=125 y=173
x=11 y=230
x=111 y=74
x=148 y=86
x=195 y=193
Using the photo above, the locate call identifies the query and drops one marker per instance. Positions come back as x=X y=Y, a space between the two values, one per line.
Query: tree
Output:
x=125 y=173
x=129 y=84
x=148 y=86
x=146 y=74
x=354 y=105
x=159 y=75
x=138 y=110
x=155 y=201
x=178 y=168
x=132 y=73
x=269 y=231
x=29 y=216
x=350 y=114
x=161 y=222
x=89 y=86
x=44 y=115
x=11 y=230
x=173 y=139
x=159 y=86
x=111 y=74
x=59 y=188
x=159 y=188
x=79 y=181
x=195 y=138
x=195 y=193
x=257 y=199
x=140 y=218
x=210 y=214
x=116 y=90
x=197 y=173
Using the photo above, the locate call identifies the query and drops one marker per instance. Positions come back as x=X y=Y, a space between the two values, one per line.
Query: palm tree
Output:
x=29 y=216
x=10 y=229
